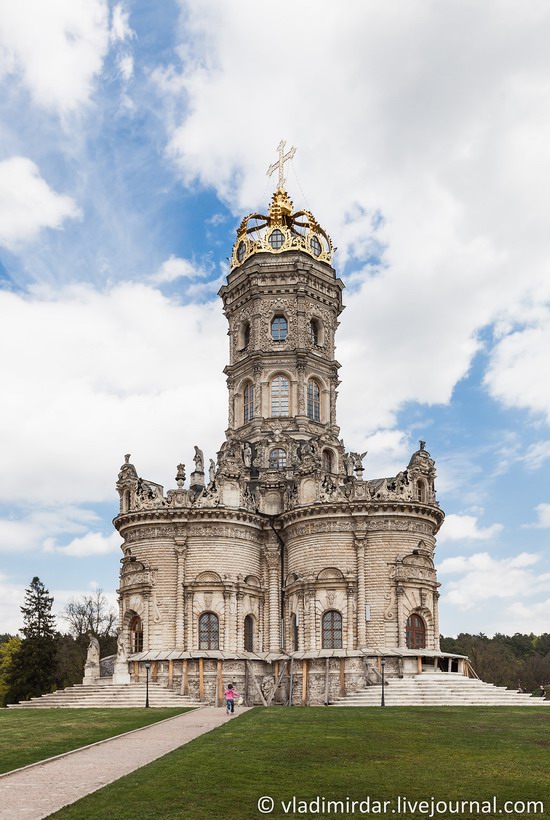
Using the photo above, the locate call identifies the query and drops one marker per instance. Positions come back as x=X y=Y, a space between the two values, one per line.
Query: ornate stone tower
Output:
x=280 y=550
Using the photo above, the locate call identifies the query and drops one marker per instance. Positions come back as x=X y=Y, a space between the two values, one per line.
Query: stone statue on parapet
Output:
x=198 y=458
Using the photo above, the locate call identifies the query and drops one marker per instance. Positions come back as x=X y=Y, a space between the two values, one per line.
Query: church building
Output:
x=281 y=566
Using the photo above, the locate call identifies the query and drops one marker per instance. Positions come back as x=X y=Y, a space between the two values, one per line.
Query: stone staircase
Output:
x=439 y=689
x=107 y=696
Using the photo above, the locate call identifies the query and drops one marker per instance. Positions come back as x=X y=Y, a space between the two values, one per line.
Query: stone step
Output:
x=114 y=696
x=439 y=690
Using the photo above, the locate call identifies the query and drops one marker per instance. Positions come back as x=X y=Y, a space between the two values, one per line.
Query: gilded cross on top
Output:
x=280 y=164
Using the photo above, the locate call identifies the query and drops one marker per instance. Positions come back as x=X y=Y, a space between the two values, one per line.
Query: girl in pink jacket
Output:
x=230 y=696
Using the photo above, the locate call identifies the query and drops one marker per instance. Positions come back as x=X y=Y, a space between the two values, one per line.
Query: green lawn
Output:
x=28 y=735
x=416 y=753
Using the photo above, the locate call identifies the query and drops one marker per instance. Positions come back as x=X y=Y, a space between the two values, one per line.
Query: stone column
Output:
x=227 y=619
x=145 y=621
x=189 y=596
x=257 y=371
x=334 y=382
x=231 y=405
x=180 y=552
x=239 y=638
x=400 y=619
x=360 y=544
x=435 y=613
x=350 y=596
x=272 y=561
x=301 y=389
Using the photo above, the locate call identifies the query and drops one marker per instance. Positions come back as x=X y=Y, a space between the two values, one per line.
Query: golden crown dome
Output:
x=280 y=229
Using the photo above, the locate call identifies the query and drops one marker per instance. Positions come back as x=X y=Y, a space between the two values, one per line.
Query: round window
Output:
x=276 y=239
x=315 y=246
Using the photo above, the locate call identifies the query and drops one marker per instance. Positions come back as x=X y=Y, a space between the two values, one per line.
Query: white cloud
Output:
x=516 y=374
x=11 y=599
x=465 y=527
x=120 y=25
x=537 y=454
x=56 y=48
x=28 y=204
x=92 y=375
x=543 y=513
x=29 y=531
x=483 y=578
x=176 y=268
x=93 y=543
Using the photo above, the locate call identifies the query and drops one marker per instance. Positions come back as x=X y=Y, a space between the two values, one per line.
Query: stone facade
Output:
x=280 y=566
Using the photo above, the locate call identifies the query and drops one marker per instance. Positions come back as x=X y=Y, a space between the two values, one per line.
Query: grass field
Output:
x=28 y=735
x=415 y=753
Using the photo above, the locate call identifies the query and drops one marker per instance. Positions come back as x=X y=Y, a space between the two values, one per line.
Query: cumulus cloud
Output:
x=95 y=374
x=465 y=527
x=176 y=268
x=28 y=204
x=483 y=577
x=93 y=543
x=56 y=48
x=515 y=372
x=30 y=530
x=543 y=515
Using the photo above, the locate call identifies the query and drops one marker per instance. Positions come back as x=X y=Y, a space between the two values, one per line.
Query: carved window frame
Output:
x=209 y=631
x=136 y=634
x=248 y=402
x=415 y=632
x=332 y=625
x=314 y=400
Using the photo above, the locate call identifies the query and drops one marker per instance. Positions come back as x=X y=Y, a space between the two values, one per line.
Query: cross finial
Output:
x=280 y=164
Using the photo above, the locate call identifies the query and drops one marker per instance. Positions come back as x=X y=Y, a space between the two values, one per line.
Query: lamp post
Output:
x=383 y=701
x=147 y=667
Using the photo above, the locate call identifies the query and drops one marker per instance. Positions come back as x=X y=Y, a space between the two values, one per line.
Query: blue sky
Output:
x=133 y=138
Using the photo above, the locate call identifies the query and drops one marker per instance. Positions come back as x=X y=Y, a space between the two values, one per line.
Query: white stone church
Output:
x=281 y=566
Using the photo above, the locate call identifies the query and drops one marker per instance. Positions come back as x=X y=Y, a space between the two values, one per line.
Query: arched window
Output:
x=136 y=634
x=248 y=401
x=294 y=635
x=332 y=629
x=314 y=332
x=279 y=328
x=126 y=501
x=244 y=335
x=421 y=491
x=209 y=631
x=277 y=458
x=280 y=394
x=313 y=400
x=249 y=633
x=327 y=461
x=416 y=632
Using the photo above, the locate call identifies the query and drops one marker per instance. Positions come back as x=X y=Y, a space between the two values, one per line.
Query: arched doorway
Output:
x=416 y=632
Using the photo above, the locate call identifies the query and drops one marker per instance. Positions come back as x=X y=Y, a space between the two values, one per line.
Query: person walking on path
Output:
x=230 y=696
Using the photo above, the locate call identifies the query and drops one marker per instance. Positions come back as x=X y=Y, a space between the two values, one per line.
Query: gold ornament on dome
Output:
x=280 y=229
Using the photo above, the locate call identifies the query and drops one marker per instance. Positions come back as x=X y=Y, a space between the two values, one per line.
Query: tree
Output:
x=90 y=615
x=9 y=646
x=33 y=667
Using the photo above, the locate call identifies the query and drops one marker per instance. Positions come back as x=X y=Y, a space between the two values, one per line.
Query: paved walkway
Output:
x=37 y=791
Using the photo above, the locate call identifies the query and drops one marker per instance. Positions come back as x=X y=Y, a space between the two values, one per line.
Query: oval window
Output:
x=276 y=239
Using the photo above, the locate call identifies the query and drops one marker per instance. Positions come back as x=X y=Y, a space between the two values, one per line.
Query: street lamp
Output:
x=147 y=667
x=383 y=701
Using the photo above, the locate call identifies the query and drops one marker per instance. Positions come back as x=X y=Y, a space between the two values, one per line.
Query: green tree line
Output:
x=517 y=661
x=45 y=658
